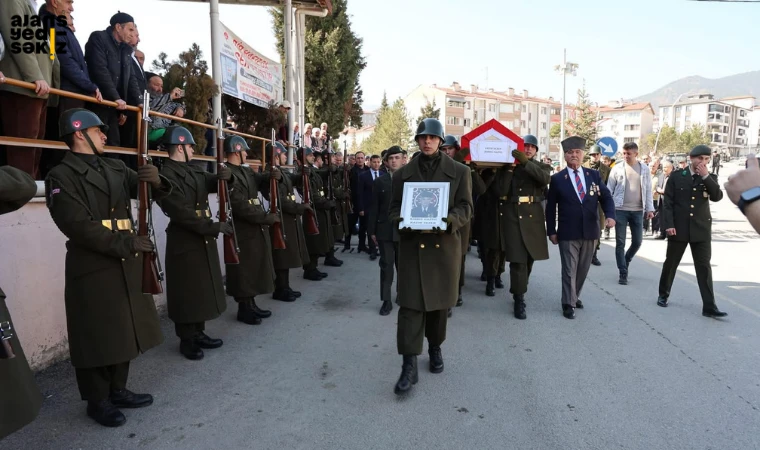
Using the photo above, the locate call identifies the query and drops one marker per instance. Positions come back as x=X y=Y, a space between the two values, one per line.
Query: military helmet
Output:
x=176 y=135
x=235 y=144
x=79 y=119
x=450 y=141
x=529 y=139
x=595 y=150
x=430 y=127
x=279 y=148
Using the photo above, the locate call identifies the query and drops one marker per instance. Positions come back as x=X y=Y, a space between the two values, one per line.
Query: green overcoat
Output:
x=324 y=241
x=194 y=287
x=21 y=399
x=295 y=254
x=687 y=205
x=429 y=263
x=109 y=320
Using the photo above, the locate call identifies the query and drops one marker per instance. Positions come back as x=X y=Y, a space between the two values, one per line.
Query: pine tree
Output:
x=354 y=146
x=429 y=111
x=692 y=136
x=392 y=128
x=584 y=122
x=333 y=62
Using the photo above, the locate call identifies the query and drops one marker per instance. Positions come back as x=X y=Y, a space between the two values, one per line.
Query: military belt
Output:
x=254 y=201
x=203 y=213
x=291 y=197
x=523 y=199
x=117 y=224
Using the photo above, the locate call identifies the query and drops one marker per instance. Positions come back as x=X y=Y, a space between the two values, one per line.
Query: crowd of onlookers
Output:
x=109 y=66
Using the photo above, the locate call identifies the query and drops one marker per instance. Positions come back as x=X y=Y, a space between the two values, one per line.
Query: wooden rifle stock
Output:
x=278 y=236
x=230 y=244
x=151 y=276
x=310 y=216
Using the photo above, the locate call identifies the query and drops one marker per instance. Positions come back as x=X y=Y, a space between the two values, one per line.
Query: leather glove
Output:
x=520 y=156
x=224 y=173
x=276 y=174
x=226 y=229
x=303 y=207
x=141 y=244
x=405 y=230
x=271 y=219
x=149 y=174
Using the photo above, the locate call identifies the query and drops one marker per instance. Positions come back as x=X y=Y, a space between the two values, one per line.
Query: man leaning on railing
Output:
x=162 y=103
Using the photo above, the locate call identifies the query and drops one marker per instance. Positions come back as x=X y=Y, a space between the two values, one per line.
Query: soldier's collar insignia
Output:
x=685 y=172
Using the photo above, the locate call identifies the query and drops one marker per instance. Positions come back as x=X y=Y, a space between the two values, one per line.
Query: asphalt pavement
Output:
x=319 y=374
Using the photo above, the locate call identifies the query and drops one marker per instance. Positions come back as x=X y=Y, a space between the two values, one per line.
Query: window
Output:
x=507 y=108
x=677 y=110
x=530 y=116
x=741 y=132
x=629 y=139
x=467 y=105
x=543 y=141
x=632 y=127
x=524 y=108
x=492 y=107
x=451 y=120
x=688 y=109
x=543 y=125
x=742 y=113
x=543 y=110
x=467 y=122
x=455 y=104
x=522 y=124
x=715 y=108
x=556 y=111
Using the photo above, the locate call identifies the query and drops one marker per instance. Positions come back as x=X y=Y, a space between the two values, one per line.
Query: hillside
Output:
x=741 y=84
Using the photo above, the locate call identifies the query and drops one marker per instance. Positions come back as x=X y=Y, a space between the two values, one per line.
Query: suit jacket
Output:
x=687 y=205
x=364 y=190
x=379 y=223
x=110 y=66
x=577 y=220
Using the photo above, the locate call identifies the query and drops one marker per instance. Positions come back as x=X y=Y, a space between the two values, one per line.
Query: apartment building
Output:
x=625 y=121
x=463 y=109
x=754 y=130
x=727 y=120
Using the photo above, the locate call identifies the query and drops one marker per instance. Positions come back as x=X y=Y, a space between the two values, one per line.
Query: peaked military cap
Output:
x=700 y=150
x=395 y=150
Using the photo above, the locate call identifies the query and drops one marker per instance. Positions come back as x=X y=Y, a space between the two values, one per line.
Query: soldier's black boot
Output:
x=124 y=398
x=436 y=359
x=332 y=261
x=498 y=282
x=386 y=308
x=246 y=313
x=262 y=313
x=490 y=286
x=409 y=376
x=204 y=341
x=190 y=349
x=460 y=302
x=312 y=275
x=295 y=294
x=283 y=295
x=105 y=413
x=520 y=306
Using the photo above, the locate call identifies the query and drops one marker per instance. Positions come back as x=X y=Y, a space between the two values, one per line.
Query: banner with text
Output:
x=246 y=73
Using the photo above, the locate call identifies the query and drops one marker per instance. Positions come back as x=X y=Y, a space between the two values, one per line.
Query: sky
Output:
x=623 y=48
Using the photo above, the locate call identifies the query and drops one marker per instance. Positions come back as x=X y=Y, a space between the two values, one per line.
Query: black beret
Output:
x=700 y=150
x=395 y=150
x=121 y=18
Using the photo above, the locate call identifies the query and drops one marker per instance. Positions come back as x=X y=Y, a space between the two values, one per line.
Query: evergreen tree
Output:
x=354 y=146
x=190 y=72
x=692 y=136
x=392 y=129
x=583 y=124
x=333 y=62
x=429 y=111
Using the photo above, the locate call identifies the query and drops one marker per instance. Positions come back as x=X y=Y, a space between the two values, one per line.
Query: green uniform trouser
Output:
x=461 y=275
x=281 y=279
x=188 y=330
x=495 y=262
x=414 y=325
x=388 y=264
x=96 y=383
x=519 y=275
x=701 y=252
x=312 y=264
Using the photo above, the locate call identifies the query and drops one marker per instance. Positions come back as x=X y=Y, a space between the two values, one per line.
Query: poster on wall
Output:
x=492 y=143
x=246 y=73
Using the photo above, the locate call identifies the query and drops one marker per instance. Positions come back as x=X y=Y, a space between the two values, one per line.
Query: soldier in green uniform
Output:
x=595 y=162
x=331 y=175
x=109 y=319
x=254 y=275
x=521 y=219
x=687 y=221
x=20 y=400
x=322 y=242
x=194 y=287
x=295 y=253
x=429 y=262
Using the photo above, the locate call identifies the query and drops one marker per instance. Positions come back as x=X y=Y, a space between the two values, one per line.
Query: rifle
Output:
x=309 y=217
x=231 y=248
x=152 y=272
x=347 y=181
x=6 y=350
x=278 y=235
x=331 y=188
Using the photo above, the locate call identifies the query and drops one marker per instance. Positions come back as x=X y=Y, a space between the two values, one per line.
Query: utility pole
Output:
x=564 y=69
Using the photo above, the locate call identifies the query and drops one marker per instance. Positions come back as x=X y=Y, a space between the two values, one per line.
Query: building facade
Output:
x=625 y=121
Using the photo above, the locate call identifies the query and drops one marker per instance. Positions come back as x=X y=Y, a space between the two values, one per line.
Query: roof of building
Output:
x=493 y=95
x=326 y=4
x=639 y=106
x=738 y=97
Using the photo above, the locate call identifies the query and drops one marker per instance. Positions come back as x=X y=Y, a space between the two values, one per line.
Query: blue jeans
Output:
x=635 y=221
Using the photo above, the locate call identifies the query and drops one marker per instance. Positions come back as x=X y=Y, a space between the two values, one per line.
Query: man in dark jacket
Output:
x=194 y=287
x=356 y=170
x=110 y=321
x=107 y=54
x=364 y=198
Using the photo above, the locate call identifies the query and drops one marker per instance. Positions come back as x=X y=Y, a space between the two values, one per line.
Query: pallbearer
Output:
x=429 y=263
x=109 y=320
x=254 y=275
x=194 y=288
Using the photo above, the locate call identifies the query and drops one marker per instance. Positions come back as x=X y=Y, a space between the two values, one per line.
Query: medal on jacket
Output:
x=593 y=189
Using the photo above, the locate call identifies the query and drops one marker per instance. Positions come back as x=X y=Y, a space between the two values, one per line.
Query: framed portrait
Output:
x=424 y=205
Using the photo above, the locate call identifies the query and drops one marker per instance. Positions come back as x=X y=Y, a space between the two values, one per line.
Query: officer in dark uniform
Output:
x=687 y=221
x=521 y=219
x=323 y=242
x=109 y=320
x=380 y=229
x=254 y=275
x=194 y=287
x=595 y=162
x=20 y=400
x=429 y=262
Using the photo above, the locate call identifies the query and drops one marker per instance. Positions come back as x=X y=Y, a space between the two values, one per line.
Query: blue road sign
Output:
x=608 y=145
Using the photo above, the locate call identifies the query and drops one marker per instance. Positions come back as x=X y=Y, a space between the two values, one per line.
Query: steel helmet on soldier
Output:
x=235 y=144
x=177 y=135
x=429 y=127
x=450 y=141
x=79 y=119
x=595 y=150
x=279 y=148
x=529 y=139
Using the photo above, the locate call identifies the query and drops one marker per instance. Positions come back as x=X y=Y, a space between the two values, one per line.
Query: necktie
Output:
x=579 y=185
x=374 y=175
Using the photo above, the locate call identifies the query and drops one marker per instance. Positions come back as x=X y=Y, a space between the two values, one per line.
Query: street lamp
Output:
x=672 y=108
x=564 y=69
